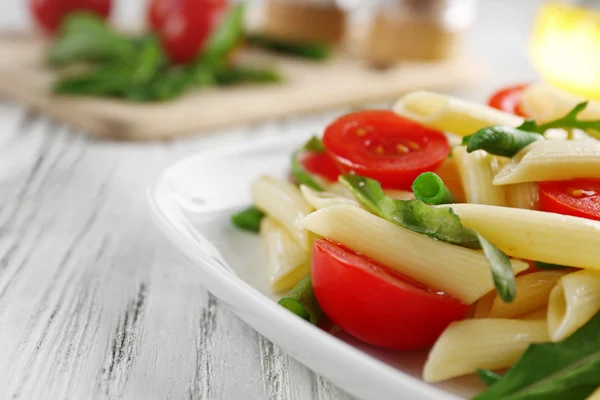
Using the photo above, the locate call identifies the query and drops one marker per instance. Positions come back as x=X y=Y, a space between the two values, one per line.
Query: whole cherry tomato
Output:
x=184 y=26
x=49 y=13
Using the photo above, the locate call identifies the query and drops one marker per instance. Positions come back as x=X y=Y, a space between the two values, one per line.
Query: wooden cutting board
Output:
x=308 y=87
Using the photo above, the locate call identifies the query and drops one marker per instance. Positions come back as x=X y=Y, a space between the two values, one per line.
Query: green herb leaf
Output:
x=314 y=51
x=430 y=189
x=501 y=140
x=568 y=122
x=248 y=219
x=84 y=37
x=299 y=173
x=315 y=145
x=488 y=377
x=437 y=222
x=543 y=265
x=565 y=370
x=234 y=75
x=228 y=34
x=465 y=140
x=302 y=302
x=110 y=80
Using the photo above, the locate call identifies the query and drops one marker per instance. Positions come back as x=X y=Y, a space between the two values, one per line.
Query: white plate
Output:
x=192 y=203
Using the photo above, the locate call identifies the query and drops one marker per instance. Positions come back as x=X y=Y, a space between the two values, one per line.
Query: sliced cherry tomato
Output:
x=578 y=197
x=509 y=99
x=384 y=146
x=377 y=305
x=185 y=25
x=49 y=13
x=320 y=164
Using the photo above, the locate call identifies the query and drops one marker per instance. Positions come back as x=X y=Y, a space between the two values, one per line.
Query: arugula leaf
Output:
x=227 y=35
x=501 y=140
x=300 y=174
x=569 y=121
x=437 y=222
x=569 y=369
x=302 y=302
x=85 y=37
x=315 y=51
x=315 y=145
x=430 y=189
x=248 y=219
x=488 y=377
x=543 y=265
x=111 y=80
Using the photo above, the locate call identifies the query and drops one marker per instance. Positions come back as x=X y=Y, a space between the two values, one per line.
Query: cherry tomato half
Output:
x=377 y=305
x=509 y=99
x=578 y=197
x=320 y=164
x=384 y=146
x=184 y=26
x=49 y=13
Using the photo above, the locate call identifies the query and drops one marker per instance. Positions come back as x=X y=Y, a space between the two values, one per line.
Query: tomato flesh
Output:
x=50 y=13
x=578 y=197
x=509 y=99
x=377 y=305
x=320 y=164
x=184 y=26
x=384 y=146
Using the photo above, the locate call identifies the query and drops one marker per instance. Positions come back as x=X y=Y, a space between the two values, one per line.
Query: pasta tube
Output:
x=535 y=235
x=468 y=345
x=288 y=262
x=523 y=195
x=552 y=160
x=573 y=302
x=451 y=114
x=325 y=199
x=283 y=201
x=477 y=172
x=458 y=271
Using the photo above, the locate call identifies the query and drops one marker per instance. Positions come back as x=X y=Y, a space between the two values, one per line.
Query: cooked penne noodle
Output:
x=573 y=302
x=484 y=305
x=535 y=235
x=288 y=263
x=325 y=199
x=595 y=395
x=283 y=201
x=552 y=160
x=477 y=170
x=451 y=114
x=533 y=291
x=338 y=188
x=448 y=172
x=523 y=195
x=542 y=313
x=468 y=345
x=423 y=259
x=543 y=103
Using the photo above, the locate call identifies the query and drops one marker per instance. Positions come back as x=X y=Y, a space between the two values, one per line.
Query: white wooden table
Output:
x=94 y=303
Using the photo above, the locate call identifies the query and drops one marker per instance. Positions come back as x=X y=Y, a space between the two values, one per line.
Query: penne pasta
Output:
x=448 y=172
x=451 y=114
x=533 y=291
x=458 y=271
x=339 y=189
x=484 y=305
x=572 y=303
x=477 y=170
x=544 y=103
x=523 y=195
x=535 y=235
x=542 y=313
x=552 y=160
x=283 y=201
x=325 y=199
x=288 y=262
x=468 y=345
x=595 y=395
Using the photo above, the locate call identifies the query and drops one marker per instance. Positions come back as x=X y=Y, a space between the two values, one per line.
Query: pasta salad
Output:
x=470 y=230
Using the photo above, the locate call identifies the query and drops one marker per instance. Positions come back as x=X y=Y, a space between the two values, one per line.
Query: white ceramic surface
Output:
x=192 y=203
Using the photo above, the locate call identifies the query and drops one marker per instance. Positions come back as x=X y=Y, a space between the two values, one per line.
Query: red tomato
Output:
x=49 y=13
x=384 y=146
x=320 y=164
x=184 y=26
x=377 y=305
x=578 y=197
x=509 y=99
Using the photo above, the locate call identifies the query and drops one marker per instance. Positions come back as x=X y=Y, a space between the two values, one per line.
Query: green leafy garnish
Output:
x=544 y=265
x=569 y=369
x=84 y=37
x=430 y=189
x=299 y=173
x=228 y=35
x=248 y=219
x=314 y=51
x=235 y=75
x=488 y=377
x=440 y=223
x=501 y=140
x=302 y=302
x=568 y=122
